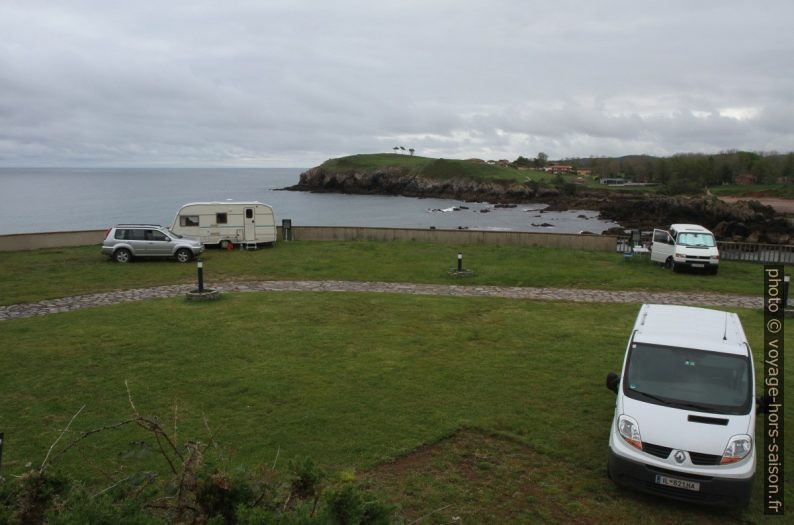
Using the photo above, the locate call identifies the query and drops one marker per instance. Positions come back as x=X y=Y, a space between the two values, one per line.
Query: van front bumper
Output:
x=713 y=490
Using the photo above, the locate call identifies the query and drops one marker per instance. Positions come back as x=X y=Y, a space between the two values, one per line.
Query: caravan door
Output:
x=249 y=225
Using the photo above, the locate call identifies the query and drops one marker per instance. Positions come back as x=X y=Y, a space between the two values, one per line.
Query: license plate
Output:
x=698 y=265
x=678 y=483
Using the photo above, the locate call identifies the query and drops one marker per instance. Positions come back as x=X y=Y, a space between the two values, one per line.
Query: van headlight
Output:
x=630 y=431
x=738 y=448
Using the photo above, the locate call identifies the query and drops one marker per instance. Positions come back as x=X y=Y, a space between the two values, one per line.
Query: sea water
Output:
x=67 y=199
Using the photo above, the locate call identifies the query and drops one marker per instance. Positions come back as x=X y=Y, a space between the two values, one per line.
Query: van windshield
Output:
x=701 y=240
x=689 y=379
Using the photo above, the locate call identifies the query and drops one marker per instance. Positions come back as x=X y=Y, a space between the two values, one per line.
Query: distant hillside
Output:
x=425 y=167
x=473 y=180
x=394 y=174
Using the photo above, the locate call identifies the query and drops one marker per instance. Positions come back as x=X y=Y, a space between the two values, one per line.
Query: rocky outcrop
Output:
x=742 y=221
x=748 y=221
x=395 y=181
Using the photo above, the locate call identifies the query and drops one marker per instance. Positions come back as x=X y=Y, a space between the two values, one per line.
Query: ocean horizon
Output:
x=71 y=199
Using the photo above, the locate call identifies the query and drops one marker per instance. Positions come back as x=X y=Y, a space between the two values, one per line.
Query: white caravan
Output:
x=684 y=422
x=226 y=223
x=685 y=245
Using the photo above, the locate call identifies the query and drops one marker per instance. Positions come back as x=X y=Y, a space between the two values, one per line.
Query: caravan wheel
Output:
x=224 y=244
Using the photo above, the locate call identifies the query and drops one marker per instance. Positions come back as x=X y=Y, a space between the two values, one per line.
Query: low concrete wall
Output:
x=552 y=240
x=34 y=241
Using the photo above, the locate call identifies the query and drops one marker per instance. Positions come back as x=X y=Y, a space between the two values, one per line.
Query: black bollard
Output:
x=460 y=262
x=200 y=271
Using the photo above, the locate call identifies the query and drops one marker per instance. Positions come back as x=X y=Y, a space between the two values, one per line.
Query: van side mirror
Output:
x=613 y=380
x=762 y=404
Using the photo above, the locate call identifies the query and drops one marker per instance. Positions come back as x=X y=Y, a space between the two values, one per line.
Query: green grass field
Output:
x=782 y=191
x=44 y=274
x=492 y=410
x=370 y=384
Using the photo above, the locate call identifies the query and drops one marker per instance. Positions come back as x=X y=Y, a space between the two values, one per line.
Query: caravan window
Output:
x=249 y=213
x=188 y=220
x=220 y=218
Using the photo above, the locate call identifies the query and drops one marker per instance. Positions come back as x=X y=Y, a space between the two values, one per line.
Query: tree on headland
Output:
x=402 y=148
x=540 y=160
x=411 y=150
x=396 y=148
x=522 y=162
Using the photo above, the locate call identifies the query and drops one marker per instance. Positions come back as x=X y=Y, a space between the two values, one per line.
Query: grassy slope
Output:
x=449 y=168
x=349 y=379
x=782 y=191
x=428 y=167
x=43 y=274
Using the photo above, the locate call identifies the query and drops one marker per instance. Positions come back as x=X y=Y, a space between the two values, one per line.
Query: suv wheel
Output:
x=184 y=255
x=122 y=255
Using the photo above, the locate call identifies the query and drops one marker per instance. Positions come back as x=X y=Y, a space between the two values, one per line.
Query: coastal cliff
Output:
x=741 y=221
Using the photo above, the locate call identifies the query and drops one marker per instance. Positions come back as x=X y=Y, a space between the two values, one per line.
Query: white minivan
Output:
x=685 y=245
x=684 y=418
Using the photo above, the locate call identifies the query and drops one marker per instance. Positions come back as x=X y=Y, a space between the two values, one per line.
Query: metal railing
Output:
x=760 y=253
x=736 y=251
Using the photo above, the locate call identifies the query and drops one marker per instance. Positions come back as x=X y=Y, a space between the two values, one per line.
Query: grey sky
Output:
x=291 y=83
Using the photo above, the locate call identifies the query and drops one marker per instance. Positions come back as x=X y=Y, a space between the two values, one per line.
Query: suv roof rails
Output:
x=139 y=224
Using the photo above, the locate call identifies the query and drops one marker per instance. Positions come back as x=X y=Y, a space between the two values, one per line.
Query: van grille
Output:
x=704 y=459
x=656 y=450
x=696 y=457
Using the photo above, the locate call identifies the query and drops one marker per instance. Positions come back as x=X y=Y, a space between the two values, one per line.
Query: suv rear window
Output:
x=130 y=234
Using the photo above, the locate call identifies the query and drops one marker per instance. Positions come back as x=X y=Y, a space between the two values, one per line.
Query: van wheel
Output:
x=668 y=263
x=122 y=255
x=224 y=244
x=713 y=271
x=184 y=255
x=676 y=267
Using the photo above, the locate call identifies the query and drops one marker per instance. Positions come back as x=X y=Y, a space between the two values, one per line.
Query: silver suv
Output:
x=125 y=241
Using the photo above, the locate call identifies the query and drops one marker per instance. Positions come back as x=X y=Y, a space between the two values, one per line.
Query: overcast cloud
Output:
x=292 y=83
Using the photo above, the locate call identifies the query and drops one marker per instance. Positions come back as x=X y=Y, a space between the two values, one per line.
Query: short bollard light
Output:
x=200 y=272
x=460 y=271
x=200 y=293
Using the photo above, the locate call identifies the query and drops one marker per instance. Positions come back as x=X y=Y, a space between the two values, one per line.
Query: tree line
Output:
x=691 y=172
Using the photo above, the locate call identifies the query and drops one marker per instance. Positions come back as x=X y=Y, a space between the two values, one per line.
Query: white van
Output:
x=685 y=412
x=225 y=223
x=685 y=245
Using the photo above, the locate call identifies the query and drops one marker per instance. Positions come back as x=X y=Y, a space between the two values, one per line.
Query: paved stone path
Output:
x=67 y=304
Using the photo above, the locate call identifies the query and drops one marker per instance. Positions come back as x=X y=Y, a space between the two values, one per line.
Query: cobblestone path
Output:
x=67 y=304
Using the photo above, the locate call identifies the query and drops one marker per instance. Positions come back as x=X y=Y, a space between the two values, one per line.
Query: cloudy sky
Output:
x=291 y=83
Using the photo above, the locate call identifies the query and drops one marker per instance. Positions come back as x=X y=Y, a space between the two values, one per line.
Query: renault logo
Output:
x=679 y=456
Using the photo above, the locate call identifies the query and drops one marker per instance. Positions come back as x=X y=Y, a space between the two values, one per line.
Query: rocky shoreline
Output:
x=744 y=221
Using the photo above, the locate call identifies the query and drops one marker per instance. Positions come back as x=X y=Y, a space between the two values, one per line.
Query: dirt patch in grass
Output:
x=474 y=476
